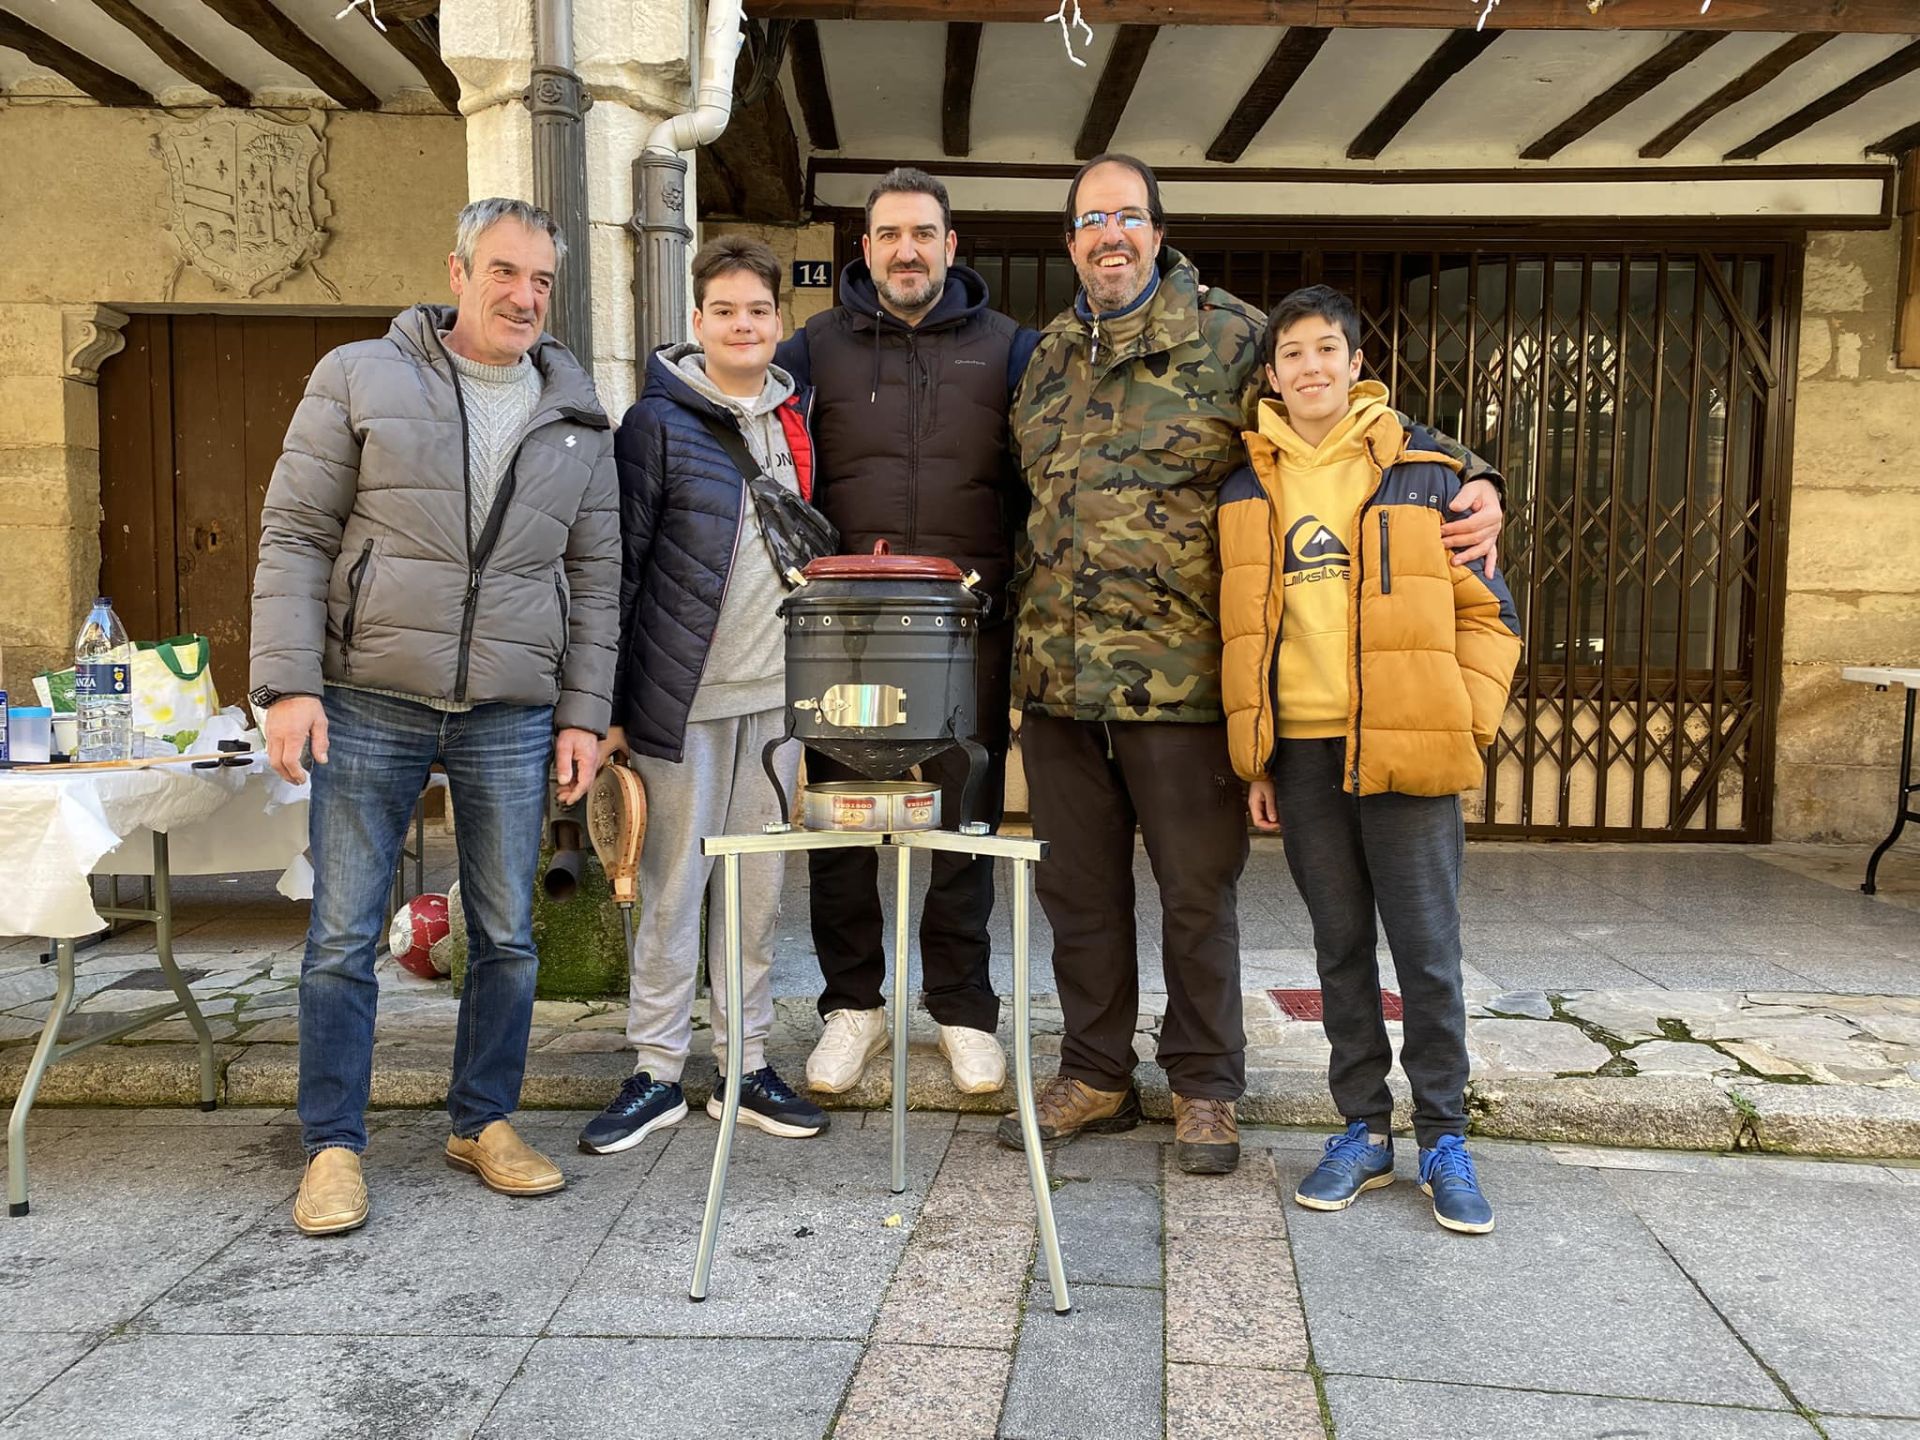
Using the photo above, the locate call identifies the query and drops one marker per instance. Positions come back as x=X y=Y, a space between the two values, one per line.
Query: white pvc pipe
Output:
x=713 y=98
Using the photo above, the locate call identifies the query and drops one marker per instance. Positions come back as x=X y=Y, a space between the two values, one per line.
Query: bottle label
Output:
x=103 y=678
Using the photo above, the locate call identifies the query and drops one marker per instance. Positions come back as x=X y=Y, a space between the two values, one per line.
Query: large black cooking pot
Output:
x=880 y=662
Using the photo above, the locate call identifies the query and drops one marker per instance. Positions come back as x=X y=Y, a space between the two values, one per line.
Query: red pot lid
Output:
x=882 y=564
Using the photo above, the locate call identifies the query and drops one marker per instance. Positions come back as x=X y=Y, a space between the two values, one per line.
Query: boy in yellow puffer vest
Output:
x=1363 y=672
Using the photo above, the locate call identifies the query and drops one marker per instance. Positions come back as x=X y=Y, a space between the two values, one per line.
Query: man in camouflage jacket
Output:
x=1127 y=420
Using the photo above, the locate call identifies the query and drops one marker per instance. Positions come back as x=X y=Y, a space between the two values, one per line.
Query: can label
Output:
x=112 y=677
x=920 y=809
x=852 y=812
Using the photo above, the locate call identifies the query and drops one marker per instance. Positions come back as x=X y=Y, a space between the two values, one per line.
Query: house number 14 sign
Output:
x=812 y=274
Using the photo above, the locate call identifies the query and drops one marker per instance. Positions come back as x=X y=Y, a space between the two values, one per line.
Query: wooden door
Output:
x=192 y=416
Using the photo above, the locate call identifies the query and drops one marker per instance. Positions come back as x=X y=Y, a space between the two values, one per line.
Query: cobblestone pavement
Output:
x=159 y=1289
x=1709 y=998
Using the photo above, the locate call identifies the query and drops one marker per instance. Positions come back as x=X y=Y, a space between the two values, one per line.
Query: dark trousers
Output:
x=1403 y=854
x=848 y=928
x=1088 y=785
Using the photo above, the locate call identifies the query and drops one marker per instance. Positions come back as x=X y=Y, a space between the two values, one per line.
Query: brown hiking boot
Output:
x=1066 y=1108
x=1206 y=1137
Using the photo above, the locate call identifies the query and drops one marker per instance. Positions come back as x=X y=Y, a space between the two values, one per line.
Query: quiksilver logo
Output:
x=1315 y=553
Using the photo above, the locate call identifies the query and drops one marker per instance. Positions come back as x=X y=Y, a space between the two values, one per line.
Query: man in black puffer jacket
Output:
x=911 y=374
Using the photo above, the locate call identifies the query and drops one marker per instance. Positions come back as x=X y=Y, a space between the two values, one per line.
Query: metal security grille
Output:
x=1635 y=396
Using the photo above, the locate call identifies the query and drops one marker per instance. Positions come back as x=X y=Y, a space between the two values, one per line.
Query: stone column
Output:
x=635 y=58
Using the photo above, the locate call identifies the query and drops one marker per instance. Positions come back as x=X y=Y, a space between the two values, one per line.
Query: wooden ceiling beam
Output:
x=1117 y=78
x=92 y=79
x=183 y=61
x=1899 y=143
x=1454 y=54
x=261 y=22
x=1762 y=73
x=1787 y=17
x=956 y=89
x=418 y=42
x=1901 y=63
x=1270 y=87
x=810 y=85
x=1643 y=79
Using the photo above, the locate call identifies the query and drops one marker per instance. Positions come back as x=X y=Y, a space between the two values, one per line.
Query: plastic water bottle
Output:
x=103 y=685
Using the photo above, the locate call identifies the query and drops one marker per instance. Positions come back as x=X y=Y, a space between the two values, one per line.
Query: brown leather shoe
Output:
x=1066 y=1108
x=333 y=1196
x=1206 y=1137
x=505 y=1162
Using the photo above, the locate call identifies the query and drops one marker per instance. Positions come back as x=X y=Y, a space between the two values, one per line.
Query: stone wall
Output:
x=790 y=243
x=83 y=211
x=1853 y=547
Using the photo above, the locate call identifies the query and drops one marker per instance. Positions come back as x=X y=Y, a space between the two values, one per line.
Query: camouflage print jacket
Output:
x=1125 y=452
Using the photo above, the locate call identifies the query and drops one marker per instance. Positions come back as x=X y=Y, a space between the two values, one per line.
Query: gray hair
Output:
x=482 y=215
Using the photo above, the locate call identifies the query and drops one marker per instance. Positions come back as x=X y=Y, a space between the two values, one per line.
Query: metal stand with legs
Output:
x=1024 y=854
x=49 y=1049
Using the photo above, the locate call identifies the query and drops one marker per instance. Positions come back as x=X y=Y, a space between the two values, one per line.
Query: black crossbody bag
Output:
x=795 y=532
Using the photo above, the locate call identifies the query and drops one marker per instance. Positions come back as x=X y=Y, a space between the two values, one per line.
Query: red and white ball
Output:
x=417 y=927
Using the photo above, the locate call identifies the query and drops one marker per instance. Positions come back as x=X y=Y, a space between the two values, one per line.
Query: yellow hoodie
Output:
x=1320 y=492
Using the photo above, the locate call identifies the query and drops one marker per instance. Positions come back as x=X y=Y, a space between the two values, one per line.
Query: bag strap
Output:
x=735 y=444
x=168 y=652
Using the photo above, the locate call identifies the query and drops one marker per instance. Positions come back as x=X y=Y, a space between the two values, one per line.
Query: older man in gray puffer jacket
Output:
x=439 y=581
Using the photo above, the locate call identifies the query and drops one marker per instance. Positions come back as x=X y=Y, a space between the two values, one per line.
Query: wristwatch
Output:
x=265 y=696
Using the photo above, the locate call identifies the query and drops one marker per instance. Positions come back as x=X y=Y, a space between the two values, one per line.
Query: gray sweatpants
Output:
x=1403 y=854
x=718 y=788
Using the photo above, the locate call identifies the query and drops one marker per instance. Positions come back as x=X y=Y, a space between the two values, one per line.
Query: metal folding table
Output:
x=1024 y=853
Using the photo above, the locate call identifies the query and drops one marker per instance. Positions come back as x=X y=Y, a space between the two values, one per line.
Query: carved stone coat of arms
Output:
x=247 y=206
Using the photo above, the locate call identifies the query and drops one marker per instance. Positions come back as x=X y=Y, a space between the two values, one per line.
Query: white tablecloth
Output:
x=56 y=828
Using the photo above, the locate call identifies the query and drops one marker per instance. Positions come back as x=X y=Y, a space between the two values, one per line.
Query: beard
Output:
x=909 y=289
x=1113 y=289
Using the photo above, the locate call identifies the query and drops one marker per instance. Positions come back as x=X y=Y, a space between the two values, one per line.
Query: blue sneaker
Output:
x=768 y=1103
x=643 y=1106
x=1446 y=1173
x=1352 y=1164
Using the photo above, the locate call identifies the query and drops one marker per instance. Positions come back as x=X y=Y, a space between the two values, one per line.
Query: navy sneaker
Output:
x=643 y=1106
x=767 y=1103
x=1446 y=1173
x=1352 y=1164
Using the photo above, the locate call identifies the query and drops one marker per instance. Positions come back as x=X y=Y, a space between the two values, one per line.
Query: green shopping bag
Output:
x=173 y=694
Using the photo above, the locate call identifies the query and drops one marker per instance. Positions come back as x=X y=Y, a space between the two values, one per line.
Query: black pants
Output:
x=1088 y=785
x=1403 y=854
x=848 y=927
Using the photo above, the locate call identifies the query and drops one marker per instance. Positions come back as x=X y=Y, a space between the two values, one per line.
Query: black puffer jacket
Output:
x=680 y=499
x=911 y=423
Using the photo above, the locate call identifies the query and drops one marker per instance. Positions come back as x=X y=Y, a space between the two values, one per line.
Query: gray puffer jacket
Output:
x=366 y=573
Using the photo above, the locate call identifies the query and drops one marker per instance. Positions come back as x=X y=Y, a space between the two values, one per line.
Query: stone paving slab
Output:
x=441 y=1255
x=805 y=1247
x=196 y=1387
x=1093 y=1375
x=925 y=1390
x=1109 y=1231
x=769 y=1389
x=1205 y=1402
x=27 y=1362
x=1377 y=1409
x=1575 y=1272
x=1856 y=1428
x=1779 y=1259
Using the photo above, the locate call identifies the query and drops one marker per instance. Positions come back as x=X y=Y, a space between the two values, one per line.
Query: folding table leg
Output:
x=30 y=1082
x=1905 y=811
x=163 y=945
x=730 y=1108
x=1023 y=1085
x=902 y=1000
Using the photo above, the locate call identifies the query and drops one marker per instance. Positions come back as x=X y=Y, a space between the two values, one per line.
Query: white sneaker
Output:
x=852 y=1038
x=979 y=1064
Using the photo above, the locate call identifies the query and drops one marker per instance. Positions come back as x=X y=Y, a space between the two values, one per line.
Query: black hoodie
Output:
x=910 y=424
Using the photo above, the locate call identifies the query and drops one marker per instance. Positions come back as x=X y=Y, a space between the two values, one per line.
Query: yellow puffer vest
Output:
x=1433 y=645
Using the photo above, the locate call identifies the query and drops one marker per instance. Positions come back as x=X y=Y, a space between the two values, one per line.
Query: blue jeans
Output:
x=379 y=752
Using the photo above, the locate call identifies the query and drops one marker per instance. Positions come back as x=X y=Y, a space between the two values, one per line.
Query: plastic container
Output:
x=103 y=685
x=29 y=734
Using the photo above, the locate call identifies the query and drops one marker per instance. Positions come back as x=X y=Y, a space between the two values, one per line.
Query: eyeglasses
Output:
x=1131 y=218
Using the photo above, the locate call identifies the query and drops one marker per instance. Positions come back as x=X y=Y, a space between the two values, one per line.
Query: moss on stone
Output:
x=580 y=942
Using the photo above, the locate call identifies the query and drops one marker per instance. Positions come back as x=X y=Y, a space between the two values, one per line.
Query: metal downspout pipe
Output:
x=559 y=103
x=660 y=226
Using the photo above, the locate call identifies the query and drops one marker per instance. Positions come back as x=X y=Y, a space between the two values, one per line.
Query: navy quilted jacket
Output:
x=680 y=499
